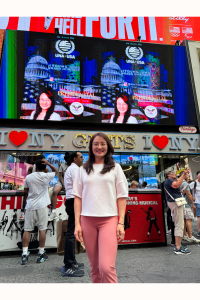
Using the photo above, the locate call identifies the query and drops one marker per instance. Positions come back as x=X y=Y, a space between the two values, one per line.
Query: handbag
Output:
x=179 y=201
x=61 y=232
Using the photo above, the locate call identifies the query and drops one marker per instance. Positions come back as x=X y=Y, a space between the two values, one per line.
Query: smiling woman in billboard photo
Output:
x=45 y=107
x=123 y=110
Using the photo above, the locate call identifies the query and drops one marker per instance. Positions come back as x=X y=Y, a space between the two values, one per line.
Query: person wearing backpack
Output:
x=195 y=188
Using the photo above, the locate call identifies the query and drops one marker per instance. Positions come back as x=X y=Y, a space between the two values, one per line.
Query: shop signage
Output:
x=176 y=142
x=15 y=202
x=18 y=138
x=160 y=141
x=69 y=140
x=187 y=129
x=37 y=139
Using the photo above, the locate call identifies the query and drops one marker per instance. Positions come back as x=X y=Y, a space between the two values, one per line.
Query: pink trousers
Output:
x=100 y=239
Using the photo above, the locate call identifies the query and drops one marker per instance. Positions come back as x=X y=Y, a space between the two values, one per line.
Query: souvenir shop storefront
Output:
x=143 y=157
x=57 y=90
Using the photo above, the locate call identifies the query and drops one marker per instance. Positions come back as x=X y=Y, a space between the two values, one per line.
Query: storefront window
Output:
x=13 y=169
x=132 y=167
x=139 y=167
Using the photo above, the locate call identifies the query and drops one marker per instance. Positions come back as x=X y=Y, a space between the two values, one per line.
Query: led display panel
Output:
x=79 y=79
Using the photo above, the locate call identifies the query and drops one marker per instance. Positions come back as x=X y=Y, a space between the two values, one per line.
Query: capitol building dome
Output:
x=111 y=73
x=37 y=68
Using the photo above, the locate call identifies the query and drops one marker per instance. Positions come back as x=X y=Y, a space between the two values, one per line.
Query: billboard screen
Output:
x=69 y=78
x=163 y=30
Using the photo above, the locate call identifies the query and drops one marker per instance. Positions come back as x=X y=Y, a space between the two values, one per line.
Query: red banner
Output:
x=15 y=202
x=144 y=219
x=162 y=30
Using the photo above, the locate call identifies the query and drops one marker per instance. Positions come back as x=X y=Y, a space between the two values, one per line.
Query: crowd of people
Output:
x=93 y=192
x=179 y=217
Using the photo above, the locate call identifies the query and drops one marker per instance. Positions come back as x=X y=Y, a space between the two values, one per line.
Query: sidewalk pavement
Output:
x=133 y=265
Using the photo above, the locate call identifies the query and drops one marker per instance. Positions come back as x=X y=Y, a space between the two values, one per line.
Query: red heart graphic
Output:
x=18 y=138
x=160 y=141
x=130 y=158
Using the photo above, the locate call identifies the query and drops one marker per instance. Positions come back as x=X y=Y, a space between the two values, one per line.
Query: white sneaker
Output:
x=52 y=216
x=195 y=219
x=186 y=238
x=193 y=239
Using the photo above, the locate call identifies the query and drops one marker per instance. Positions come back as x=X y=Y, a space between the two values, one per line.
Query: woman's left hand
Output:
x=120 y=233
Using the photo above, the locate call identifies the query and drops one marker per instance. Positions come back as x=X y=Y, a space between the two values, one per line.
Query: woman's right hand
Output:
x=78 y=233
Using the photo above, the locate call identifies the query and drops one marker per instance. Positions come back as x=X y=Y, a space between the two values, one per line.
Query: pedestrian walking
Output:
x=71 y=267
x=97 y=187
x=37 y=199
x=172 y=188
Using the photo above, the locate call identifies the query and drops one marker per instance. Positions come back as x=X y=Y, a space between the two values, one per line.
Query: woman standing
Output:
x=97 y=187
x=123 y=110
x=45 y=107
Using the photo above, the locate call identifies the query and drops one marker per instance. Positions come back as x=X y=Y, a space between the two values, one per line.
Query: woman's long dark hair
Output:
x=127 y=99
x=109 y=162
x=49 y=93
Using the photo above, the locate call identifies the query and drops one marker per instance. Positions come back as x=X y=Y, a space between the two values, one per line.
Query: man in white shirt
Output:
x=37 y=199
x=195 y=188
x=71 y=268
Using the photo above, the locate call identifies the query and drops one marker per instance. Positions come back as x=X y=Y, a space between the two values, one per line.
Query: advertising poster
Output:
x=12 y=227
x=144 y=221
x=162 y=30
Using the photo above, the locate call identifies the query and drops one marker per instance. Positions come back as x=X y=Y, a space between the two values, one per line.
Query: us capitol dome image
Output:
x=111 y=73
x=37 y=68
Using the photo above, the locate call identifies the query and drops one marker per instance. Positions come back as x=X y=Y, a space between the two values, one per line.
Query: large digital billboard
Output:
x=69 y=78
x=162 y=30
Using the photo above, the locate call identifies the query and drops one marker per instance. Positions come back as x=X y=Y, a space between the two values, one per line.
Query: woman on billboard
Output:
x=97 y=188
x=45 y=107
x=123 y=110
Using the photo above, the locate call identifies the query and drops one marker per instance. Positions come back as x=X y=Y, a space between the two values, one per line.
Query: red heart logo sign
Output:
x=18 y=138
x=160 y=141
